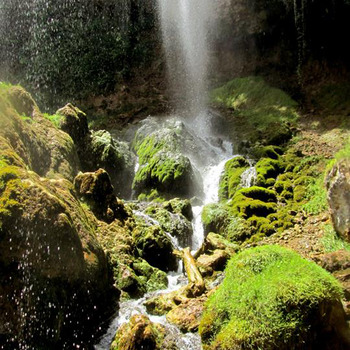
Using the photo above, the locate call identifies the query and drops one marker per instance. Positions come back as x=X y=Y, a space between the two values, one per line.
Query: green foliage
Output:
x=67 y=49
x=266 y=300
x=55 y=119
x=331 y=241
x=316 y=197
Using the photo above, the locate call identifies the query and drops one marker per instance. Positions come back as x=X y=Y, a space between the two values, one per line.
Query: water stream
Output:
x=209 y=158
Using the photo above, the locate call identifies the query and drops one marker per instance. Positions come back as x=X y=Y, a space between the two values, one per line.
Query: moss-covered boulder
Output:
x=97 y=191
x=55 y=279
x=115 y=157
x=163 y=167
x=98 y=149
x=73 y=121
x=231 y=178
x=259 y=112
x=141 y=333
x=173 y=221
x=155 y=246
x=271 y=298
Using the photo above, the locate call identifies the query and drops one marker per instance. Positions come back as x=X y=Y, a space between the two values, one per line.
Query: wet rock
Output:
x=173 y=222
x=22 y=101
x=338 y=186
x=141 y=333
x=55 y=282
x=187 y=315
x=155 y=247
x=96 y=189
x=98 y=149
x=163 y=167
x=74 y=123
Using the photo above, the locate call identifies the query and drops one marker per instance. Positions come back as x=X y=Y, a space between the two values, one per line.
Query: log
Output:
x=196 y=285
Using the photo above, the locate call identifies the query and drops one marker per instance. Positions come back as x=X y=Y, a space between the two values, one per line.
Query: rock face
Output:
x=55 y=281
x=98 y=149
x=338 y=185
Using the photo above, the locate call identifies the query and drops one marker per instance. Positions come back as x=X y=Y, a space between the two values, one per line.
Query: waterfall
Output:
x=185 y=28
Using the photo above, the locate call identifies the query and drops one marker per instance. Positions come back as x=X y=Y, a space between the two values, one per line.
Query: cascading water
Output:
x=185 y=28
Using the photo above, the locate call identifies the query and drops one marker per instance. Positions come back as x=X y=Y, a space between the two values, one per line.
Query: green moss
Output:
x=267 y=301
x=55 y=119
x=269 y=151
x=267 y=169
x=262 y=113
x=231 y=177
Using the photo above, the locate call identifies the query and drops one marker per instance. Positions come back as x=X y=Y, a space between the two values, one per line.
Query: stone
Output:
x=338 y=186
x=141 y=333
x=96 y=189
x=187 y=315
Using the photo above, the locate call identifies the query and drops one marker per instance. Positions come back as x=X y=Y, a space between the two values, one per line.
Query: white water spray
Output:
x=186 y=26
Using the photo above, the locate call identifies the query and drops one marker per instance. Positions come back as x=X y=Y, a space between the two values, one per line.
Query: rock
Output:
x=338 y=186
x=334 y=261
x=96 y=189
x=155 y=247
x=115 y=157
x=74 y=123
x=187 y=315
x=55 y=283
x=231 y=178
x=163 y=167
x=22 y=101
x=176 y=224
x=277 y=282
x=141 y=333
x=179 y=206
x=213 y=262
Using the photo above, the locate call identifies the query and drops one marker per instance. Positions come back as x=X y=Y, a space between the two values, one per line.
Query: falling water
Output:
x=185 y=28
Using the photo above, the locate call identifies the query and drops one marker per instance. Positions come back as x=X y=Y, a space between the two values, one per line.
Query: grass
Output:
x=55 y=119
x=265 y=300
x=331 y=241
x=317 y=197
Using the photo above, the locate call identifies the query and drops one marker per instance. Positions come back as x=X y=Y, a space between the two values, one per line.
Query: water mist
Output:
x=186 y=25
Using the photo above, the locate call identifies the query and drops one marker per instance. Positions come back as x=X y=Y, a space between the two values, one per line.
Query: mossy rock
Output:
x=141 y=333
x=231 y=178
x=179 y=206
x=155 y=247
x=153 y=278
x=259 y=112
x=176 y=224
x=267 y=170
x=215 y=217
x=162 y=166
x=246 y=206
x=270 y=151
x=115 y=157
x=271 y=298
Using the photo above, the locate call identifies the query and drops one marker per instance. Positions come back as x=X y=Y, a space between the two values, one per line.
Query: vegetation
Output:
x=267 y=301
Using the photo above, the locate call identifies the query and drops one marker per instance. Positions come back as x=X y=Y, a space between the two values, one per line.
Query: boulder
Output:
x=338 y=186
x=187 y=315
x=96 y=189
x=155 y=247
x=271 y=298
x=55 y=283
x=74 y=123
x=163 y=167
x=141 y=333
